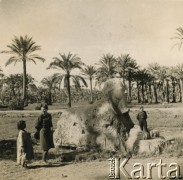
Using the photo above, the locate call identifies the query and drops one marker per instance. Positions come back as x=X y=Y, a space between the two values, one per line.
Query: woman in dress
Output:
x=45 y=126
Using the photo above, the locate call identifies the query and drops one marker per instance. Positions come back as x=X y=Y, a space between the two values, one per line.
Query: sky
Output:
x=92 y=28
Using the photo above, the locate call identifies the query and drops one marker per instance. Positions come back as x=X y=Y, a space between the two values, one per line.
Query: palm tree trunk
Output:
x=138 y=93
x=2 y=98
x=24 y=82
x=155 y=94
x=143 y=97
x=181 y=89
x=123 y=76
x=167 y=91
x=91 y=92
x=69 y=90
x=163 y=93
x=129 y=89
x=173 y=97
x=59 y=86
x=49 y=98
x=146 y=94
x=13 y=90
x=150 y=94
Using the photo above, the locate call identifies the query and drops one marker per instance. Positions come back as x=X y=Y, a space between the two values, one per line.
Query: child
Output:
x=24 y=145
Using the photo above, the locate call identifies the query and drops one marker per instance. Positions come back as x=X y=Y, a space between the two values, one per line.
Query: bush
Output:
x=16 y=104
x=80 y=157
x=174 y=146
x=38 y=107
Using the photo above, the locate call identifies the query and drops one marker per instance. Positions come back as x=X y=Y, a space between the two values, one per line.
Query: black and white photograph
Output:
x=91 y=89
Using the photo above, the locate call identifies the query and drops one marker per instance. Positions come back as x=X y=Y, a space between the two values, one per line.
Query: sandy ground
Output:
x=94 y=170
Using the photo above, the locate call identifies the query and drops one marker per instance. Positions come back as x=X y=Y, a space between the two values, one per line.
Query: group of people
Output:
x=44 y=132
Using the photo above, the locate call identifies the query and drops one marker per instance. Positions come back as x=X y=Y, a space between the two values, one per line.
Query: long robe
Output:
x=24 y=147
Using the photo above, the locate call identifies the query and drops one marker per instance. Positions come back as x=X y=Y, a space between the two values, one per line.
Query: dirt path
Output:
x=93 y=170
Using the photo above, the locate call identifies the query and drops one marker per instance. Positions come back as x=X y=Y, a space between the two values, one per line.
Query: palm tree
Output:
x=22 y=50
x=179 y=75
x=179 y=37
x=67 y=63
x=126 y=66
x=172 y=74
x=142 y=77
x=160 y=76
x=107 y=68
x=1 y=80
x=1 y=72
x=49 y=83
x=89 y=71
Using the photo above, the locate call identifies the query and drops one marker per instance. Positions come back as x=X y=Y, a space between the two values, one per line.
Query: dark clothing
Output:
x=143 y=125
x=44 y=121
x=44 y=125
x=142 y=116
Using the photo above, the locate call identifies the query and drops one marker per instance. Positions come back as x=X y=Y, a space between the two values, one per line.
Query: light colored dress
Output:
x=24 y=147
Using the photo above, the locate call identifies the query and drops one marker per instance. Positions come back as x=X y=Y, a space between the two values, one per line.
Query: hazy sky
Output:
x=91 y=28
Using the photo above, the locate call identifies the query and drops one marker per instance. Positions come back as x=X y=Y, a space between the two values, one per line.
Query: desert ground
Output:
x=167 y=119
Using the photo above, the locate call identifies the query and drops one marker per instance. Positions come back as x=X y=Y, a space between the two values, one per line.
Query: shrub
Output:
x=174 y=146
x=80 y=157
x=16 y=104
x=38 y=107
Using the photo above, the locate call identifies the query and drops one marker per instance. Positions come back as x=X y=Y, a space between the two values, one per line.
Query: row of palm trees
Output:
x=146 y=83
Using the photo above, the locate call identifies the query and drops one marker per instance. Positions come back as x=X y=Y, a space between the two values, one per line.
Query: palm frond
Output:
x=11 y=60
x=80 y=78
x=179 y=37
x=35 y=56
x=31 y=59
x=88 y=71
x=7 y=52
x=23 y=47
x=14 y=49
x=66 y=62
x=56 y=64
x=32 y=48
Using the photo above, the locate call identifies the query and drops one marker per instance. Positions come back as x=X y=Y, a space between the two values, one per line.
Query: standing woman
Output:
x=45 y=126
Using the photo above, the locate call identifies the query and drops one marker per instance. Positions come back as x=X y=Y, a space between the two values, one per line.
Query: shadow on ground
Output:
x=36 y=166
x=8 y=149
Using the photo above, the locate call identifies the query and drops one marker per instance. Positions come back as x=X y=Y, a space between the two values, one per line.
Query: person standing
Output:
x=141 y=117
x=45 y=126
x=24 y=145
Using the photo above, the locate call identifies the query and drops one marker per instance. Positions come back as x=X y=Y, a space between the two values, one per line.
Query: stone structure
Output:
x=103 y=124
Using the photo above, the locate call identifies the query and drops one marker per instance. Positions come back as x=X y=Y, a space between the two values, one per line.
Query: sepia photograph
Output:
x=91 y=89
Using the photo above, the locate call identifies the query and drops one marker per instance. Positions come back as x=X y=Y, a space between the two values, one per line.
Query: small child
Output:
x=24 y=145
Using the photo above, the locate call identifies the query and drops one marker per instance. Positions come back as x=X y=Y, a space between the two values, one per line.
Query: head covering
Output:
x=141 y=107
x=21 y=125
x=44 y=106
